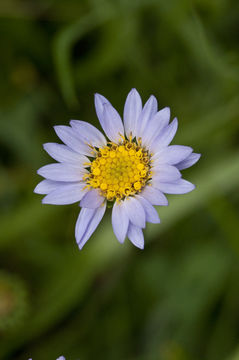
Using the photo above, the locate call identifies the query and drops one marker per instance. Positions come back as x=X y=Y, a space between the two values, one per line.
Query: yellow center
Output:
x=119 y=170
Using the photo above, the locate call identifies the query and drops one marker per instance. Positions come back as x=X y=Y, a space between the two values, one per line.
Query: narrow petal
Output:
x=70 y=138
x=135 y=211
x=92 y=199
x=155 y=126
x=150 y=211
x=154 y=196
x=171 y=155
x=189 y=161
x=165 y=173
x=46 y=186
x=65 y=194
x=132 y=110
x=61 y=172
x=165 y=137
x=120 y=221
x=180 y=186
x=83 y=222
x=63 y=153
x=149 y=110
x=89 y=133
x=87 y=222
x=136 y=236
x=113 y=126
x=109 y=118
x=100 y=100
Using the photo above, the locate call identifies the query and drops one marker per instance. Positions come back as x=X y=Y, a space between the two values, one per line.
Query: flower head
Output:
x=131 y=169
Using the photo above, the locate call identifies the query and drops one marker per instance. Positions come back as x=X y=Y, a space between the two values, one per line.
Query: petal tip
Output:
x=79 y=245
x=73 y=122
x=36 y=189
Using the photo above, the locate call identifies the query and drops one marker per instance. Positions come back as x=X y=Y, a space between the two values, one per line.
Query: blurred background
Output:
x=179 y=298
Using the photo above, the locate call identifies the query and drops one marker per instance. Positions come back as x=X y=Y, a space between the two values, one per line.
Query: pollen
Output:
x=119 y=170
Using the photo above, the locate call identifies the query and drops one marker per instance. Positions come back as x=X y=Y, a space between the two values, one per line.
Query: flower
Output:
x=130 y=171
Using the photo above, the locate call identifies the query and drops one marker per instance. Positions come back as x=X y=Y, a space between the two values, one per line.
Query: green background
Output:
x=179 y=298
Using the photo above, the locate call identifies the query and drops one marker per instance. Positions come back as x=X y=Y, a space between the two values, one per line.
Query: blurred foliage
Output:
x=179 y=298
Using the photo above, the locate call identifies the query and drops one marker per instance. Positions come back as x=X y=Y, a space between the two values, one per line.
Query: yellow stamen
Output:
x=120 y=170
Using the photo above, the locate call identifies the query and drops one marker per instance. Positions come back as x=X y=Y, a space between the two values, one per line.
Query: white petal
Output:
x=155 y=126
x=100 y=100
x=149 y=110
x=113 y=126
x=132 y=110
x=70 y=138
x=109 y=118
x=89 y=133
x=154 y=196
x=150 y=211
x=165 y=173
x=165 y=137
x=63 y=153
x=46 y=186
x=120 y=221
x=135 y=211
x=62 y=172
x=83 y=221
x=189 y=161
x=87 y=222
x=65 y=194
x=136 y=236
x=180 y=186
x=92 y=199
x=171 y=154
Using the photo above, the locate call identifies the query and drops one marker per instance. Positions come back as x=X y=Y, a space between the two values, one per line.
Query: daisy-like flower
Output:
x=130 y=170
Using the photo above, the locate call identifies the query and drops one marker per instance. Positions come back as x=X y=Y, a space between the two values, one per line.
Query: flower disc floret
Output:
x=119 y=170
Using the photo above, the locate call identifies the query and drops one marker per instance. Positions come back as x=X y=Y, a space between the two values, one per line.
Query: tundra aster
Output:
x=131 y=169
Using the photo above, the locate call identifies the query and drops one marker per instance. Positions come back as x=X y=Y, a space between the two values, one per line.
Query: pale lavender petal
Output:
x=70 y=138
x=109 y=118
x=136 y=236
x=150 y=211
x=63 y=153
x=165 y=173
x=100 y=100
x=180 y=186
x=89 y=133
x=46 y=186
x=61 y=358
x=165 y=137
x=154 y=196
x=120 y=221
x=155 y=126
x=132 y=110
x=92 y=199
x=65 y=194
x=149 y=110
x=171 y=155
x=135 y=211
x=113 y=126
x=82 y=222
x=62 y=172
x=189 y=161
x=87 y=222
